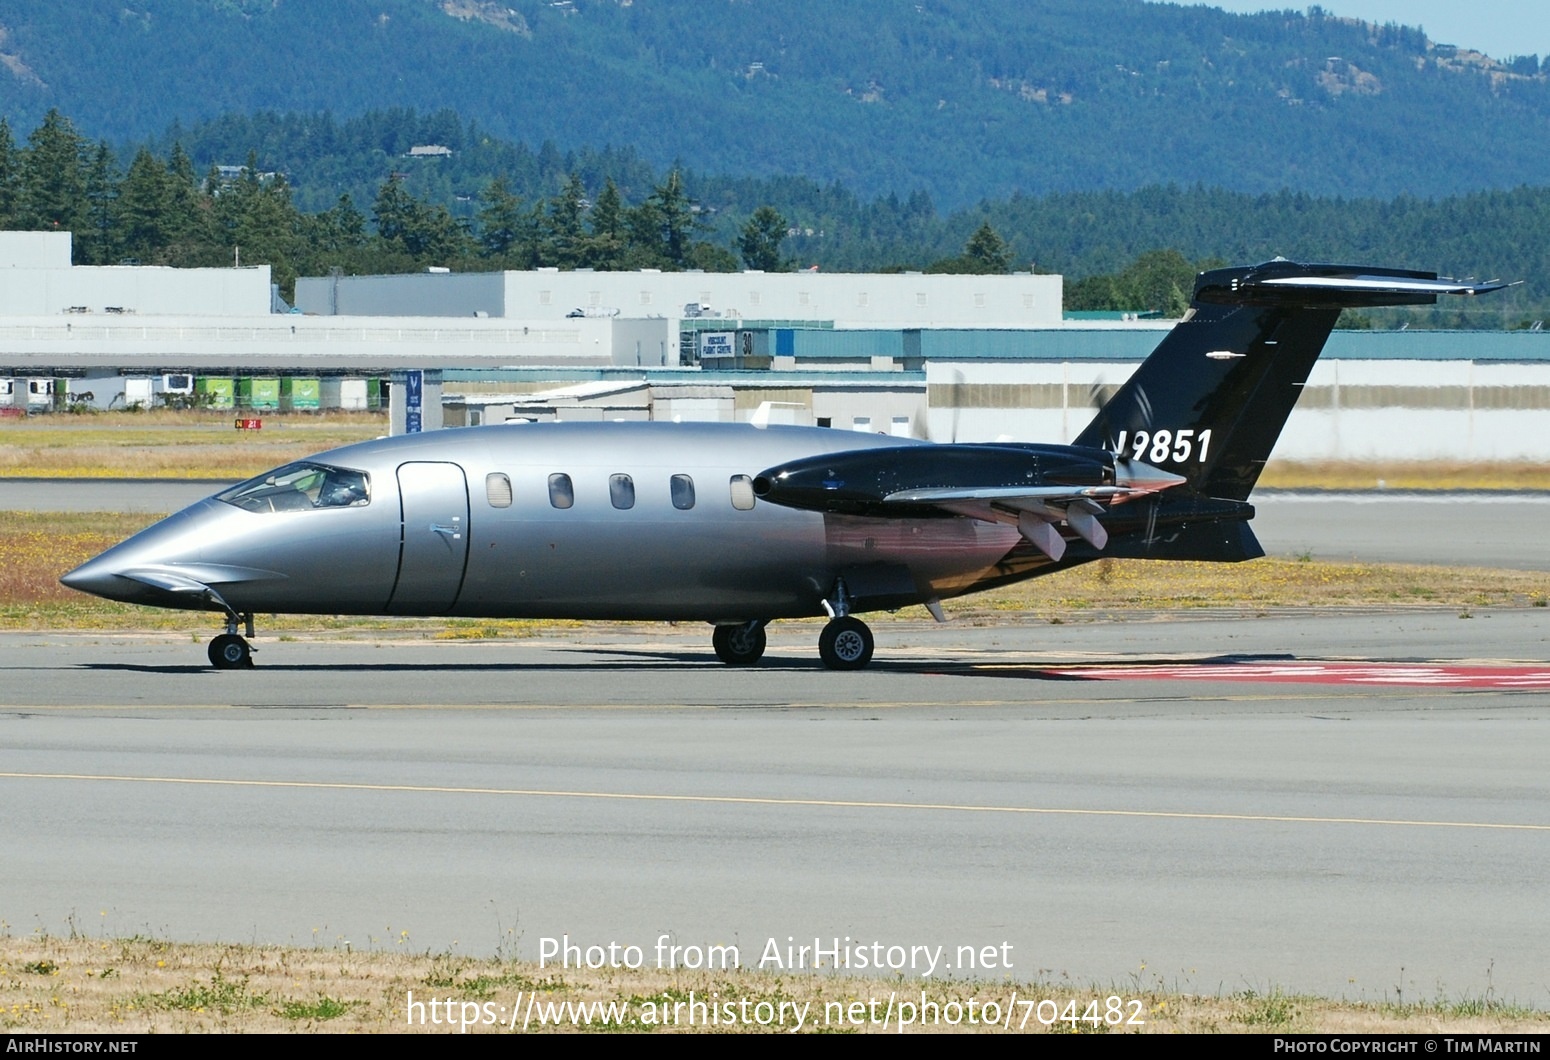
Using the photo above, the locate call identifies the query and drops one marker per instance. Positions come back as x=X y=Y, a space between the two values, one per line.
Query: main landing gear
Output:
x=739 y=645
x=845 y=643
x=230 y=651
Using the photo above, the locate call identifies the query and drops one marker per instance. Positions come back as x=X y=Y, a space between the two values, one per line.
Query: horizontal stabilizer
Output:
x=1287 y=283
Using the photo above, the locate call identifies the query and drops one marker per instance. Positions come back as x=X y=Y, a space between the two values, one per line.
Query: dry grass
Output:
x=192 y=444
x=1130 y=585
x=1396 y=475
x=85 y=985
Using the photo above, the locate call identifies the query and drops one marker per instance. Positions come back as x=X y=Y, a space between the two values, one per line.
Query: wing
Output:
x=1039 y=511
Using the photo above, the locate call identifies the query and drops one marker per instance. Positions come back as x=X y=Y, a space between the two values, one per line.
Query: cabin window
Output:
x=301 y=487
x=682 y=487
x=561 y=493
x=742 y=493
x=497 y=490
x=621 y=490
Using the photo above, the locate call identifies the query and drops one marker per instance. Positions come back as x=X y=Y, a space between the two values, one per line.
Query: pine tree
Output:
x=189 y=222
x=393 y=212
x=563 y=243
x=98 y=239
x=606 y=241
x=53 y=178
x=508 y=231
x=676 y=220
x=760 y=240
x=988 y=250
x=10 y=178
x=145 y=210
x=427 y=234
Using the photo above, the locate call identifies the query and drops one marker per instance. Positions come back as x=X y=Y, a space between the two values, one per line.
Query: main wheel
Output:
x=845 y=644
x=739 y=645
x=230 y=652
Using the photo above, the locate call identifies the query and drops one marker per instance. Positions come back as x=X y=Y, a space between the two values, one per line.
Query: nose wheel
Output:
x=230 y=652
x=845 y=644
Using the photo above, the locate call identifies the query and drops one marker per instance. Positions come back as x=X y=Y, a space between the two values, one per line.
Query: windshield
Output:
x=301 y=487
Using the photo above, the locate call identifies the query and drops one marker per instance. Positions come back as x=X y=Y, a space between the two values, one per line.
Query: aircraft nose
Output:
x=95 y=576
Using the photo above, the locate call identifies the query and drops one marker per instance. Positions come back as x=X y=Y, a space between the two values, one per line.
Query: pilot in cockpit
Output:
x=342 y=489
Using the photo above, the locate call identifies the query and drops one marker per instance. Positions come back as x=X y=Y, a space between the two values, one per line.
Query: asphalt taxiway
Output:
x=1247 y=815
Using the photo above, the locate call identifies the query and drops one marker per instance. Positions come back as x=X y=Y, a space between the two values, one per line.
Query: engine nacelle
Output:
x=857 y=482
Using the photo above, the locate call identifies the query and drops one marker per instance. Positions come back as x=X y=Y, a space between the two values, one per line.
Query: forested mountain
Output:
x=964 y=99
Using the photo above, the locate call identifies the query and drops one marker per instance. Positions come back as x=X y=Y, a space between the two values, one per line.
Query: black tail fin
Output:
x=1211 y=400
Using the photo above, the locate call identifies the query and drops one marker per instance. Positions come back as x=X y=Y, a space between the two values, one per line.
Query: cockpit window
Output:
x=301 y=487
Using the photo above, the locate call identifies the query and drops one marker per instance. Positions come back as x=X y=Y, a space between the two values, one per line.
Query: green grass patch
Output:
x=217 y=994
x=323 y=1008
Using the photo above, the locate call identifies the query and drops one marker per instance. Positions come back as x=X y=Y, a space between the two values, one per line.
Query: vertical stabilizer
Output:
x=1213 y=397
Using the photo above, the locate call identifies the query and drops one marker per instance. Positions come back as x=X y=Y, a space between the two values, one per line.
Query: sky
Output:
x=1500 y=28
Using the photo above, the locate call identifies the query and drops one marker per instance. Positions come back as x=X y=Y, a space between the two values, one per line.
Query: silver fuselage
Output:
x=436 y=537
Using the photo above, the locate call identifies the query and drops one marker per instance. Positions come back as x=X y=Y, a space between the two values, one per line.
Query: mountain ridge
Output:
x=966 y=100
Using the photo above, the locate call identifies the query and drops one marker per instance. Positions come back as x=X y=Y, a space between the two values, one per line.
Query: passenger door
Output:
x=433 y=498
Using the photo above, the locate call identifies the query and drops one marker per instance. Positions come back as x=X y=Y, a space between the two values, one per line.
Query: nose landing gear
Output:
x=230 y=651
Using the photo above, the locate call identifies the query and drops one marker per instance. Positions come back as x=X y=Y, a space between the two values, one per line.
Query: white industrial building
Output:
x=1365 y=400
x=845 y=300
x=110 y=331
x=966 y=358
x=38 y=281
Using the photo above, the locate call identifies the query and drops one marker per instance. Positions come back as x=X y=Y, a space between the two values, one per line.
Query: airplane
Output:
x=740 y=524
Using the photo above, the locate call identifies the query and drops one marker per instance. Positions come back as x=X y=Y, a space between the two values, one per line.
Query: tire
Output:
x=739 y=645
x=230 y=652
x=845 y=644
